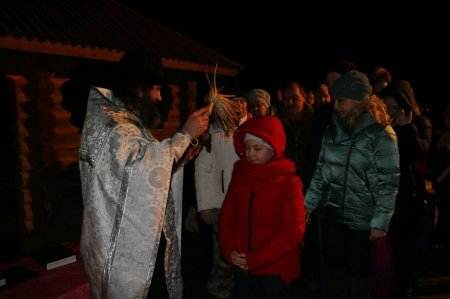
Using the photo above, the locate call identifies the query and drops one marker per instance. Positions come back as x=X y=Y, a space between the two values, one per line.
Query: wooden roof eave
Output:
x=77 y=51
x=197 y=67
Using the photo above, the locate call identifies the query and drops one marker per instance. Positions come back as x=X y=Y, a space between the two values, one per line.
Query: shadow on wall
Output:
x=10 y=183
x=64 y=206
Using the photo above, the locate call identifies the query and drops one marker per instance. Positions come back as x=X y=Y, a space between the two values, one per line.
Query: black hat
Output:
x=142 y=66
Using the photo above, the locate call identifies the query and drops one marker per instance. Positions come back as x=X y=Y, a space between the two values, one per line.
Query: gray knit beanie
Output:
x=352 y=85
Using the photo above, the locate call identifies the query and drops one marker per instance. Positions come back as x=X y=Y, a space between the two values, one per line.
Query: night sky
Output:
x=277 y=43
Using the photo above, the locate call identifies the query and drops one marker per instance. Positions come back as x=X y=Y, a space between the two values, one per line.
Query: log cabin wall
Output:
x=49 y=204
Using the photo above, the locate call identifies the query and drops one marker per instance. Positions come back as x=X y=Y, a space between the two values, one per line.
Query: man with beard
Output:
x=131 y=185
x=296 y=116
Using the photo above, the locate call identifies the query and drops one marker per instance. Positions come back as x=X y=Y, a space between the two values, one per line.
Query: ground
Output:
x=433 y=272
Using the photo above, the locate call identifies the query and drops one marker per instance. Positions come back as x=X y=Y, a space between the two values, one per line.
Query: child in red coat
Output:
x=262 y=219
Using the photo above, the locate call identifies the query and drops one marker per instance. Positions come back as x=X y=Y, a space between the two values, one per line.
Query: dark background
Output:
x=279 y=42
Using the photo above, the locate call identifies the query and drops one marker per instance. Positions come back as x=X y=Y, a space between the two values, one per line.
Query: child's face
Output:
x=257 y=153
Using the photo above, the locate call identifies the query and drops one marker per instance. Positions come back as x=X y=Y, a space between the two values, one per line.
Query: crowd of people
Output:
x=298 y=185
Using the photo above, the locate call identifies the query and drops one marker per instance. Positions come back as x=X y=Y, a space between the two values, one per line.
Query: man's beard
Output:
x=149 y=113
x=293 y=112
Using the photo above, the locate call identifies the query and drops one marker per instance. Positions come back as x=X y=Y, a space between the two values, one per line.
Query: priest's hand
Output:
x=197 y=123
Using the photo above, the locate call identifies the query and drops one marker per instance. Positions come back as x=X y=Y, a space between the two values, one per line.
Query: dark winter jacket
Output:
x=414 y=140
x=357 y=175
x=297 y=136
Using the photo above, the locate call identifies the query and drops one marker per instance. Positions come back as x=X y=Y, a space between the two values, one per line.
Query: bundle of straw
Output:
x=223 y=110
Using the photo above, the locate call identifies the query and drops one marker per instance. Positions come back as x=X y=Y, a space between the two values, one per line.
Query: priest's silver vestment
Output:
x=130 y=195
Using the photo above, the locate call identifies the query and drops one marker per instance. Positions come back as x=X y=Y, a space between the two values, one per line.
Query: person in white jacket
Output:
x=213 y=168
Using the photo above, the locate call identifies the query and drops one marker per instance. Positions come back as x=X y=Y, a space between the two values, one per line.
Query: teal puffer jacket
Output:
x=357 y=175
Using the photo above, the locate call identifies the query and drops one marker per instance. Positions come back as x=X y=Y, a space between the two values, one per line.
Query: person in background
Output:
x=321 y=96
x=355 y=184
x=440 y=167
x=130 y=241
x=313 y=265
x=337 y=69
x=277 y=99
x=262 y=219
x=379 y=78
x=414 y=139
x=310 y=97
x=296 y=116
x=259 y=103
x=213 y=168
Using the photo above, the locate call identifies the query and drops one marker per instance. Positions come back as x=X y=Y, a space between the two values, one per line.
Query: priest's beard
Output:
x=149 y=112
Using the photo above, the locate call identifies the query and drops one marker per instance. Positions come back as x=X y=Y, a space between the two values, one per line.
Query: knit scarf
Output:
x=255 y=178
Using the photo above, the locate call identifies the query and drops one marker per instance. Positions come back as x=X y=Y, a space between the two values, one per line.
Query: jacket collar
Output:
x=342 y=131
